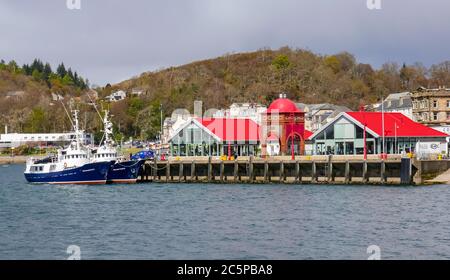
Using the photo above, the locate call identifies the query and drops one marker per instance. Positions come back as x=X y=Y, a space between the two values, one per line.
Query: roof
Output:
x=283 y=105
x=398 y=95
x=395 y=124
x=307 y=134
x=232 y=129
x=396 y=103
x=195 y=121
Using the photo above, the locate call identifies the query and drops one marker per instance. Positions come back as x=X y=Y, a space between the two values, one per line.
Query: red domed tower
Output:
x=284 y=120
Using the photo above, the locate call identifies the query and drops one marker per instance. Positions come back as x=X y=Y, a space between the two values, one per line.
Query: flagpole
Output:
x=395 y=138
x=364 y=136
x=365 y=142
x=382 y=125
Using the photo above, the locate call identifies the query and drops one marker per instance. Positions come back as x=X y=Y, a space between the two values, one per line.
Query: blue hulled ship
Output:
x=71 y=165
x=122 y=170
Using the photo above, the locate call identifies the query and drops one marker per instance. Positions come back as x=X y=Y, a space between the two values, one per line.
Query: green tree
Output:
x=37 y=75
x=333 y=62
x=67 y=80
x=61 y=70
x=47 y=71
x=149 y=121
x=37 y=65
x=135 y=105
x=281 y=62
x=13 y=67
x=37 y=121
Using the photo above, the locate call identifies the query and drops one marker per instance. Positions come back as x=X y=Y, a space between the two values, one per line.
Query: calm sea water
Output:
x=200 y=221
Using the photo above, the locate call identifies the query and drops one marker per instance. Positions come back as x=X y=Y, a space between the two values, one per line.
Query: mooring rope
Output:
x=127 y=165
x=151 y=165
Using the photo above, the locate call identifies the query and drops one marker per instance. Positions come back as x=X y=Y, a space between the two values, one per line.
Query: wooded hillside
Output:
x=245 y=77
x=260 y=76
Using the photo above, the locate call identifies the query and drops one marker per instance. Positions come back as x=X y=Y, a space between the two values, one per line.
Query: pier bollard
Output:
x=348 y=179
x=314 y=172
x=236 y=170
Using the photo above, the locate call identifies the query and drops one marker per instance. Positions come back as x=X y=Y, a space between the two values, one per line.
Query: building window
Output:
x=329 y=133
x=424 y=116
x=448 y=103
x=435 y=104
x=435 y=116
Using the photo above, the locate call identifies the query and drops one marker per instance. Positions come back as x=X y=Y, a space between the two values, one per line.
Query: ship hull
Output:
x=88 y=174
x=124 y=172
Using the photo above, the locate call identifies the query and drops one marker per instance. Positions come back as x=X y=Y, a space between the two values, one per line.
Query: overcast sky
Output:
x=113 y=40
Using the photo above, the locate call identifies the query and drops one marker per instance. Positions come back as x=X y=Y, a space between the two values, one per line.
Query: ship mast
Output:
x=108 y=126
x=76 y=128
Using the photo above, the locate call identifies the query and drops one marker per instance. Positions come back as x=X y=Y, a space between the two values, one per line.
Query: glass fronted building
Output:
x=216 y=137
x=345 y=135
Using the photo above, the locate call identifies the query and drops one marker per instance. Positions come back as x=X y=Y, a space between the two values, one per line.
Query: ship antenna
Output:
x=95 y=105
x=107 y=125
x=67 y=112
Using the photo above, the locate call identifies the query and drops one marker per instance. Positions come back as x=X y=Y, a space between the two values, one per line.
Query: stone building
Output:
x=432 y=108
x=398 y=103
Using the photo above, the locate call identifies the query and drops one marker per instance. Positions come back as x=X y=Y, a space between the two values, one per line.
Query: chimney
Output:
x=6 y=129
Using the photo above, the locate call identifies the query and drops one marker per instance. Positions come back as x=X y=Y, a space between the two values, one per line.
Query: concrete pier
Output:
x=300 y=170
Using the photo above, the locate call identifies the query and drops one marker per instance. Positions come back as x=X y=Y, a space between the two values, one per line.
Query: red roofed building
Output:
x=216 y=137
x=345 y=135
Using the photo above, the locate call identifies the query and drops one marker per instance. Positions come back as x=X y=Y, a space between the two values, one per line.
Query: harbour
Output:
x=216 y=139
x=221 y=221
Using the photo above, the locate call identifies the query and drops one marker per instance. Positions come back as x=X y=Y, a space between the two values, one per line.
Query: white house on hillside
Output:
x=116 y=96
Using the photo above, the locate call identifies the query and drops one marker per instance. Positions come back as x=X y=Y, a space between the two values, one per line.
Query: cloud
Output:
x=112 y=40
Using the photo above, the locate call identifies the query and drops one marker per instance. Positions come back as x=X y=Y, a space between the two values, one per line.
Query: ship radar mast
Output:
x=76 y=128
x=108 y=126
